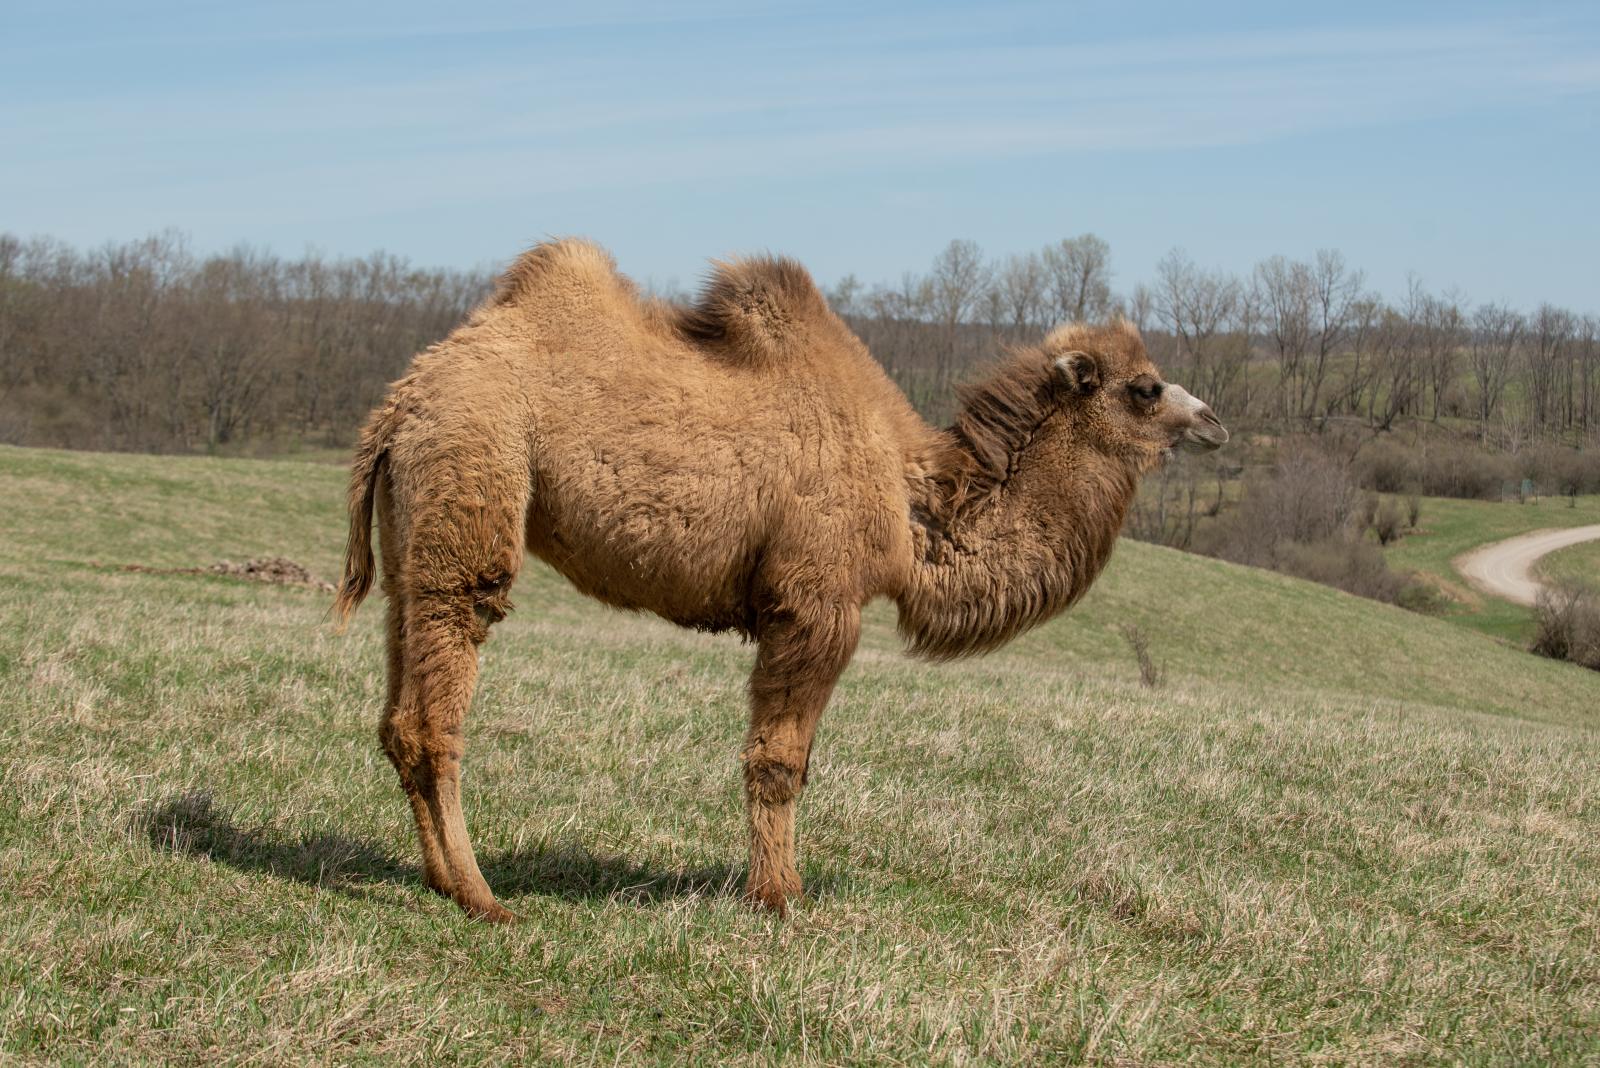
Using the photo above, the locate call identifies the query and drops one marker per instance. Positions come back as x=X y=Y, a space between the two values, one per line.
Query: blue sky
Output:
x=1456 y=141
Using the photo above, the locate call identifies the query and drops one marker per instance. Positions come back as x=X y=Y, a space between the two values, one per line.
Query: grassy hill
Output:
x=1339 y=831
x=1576 y=563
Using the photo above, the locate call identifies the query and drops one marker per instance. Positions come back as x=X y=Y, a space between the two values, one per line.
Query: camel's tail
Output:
x=364 y=474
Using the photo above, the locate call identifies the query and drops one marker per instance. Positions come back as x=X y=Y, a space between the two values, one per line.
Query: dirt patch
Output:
x=1451 y=591
x=274 y=570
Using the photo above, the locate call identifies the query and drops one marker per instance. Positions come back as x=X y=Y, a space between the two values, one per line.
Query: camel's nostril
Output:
x=1207 y=431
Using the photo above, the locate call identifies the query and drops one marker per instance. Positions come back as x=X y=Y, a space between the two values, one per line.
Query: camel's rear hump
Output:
x=756 y=311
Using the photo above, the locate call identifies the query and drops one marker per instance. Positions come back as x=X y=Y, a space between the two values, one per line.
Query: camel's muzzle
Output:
x=1206 y=433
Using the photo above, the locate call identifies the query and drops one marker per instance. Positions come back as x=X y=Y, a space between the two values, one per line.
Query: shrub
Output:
x=1387 y=522
x=1356 y=567
x=1418 y=596
x=1150 y=672
x=1413 y=509
x=1462 y=471
x=1369 y=509
x=1459 y=469
x=1386 y=466
x=1561 y=471
x=1568 y=618
x=1454 y=401
x=1307 y=496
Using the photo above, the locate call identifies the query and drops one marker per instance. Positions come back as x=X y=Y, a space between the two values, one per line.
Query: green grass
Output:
x=1451 y=527
x=1339 y=832
x=1575 y=563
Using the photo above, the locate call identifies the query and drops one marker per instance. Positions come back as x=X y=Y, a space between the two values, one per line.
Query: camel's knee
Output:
x=463 y=607
x=402 y=744
x=491 y=601
x=769 y=781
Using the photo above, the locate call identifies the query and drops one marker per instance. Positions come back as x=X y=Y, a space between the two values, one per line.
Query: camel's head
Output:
x=1117 y=398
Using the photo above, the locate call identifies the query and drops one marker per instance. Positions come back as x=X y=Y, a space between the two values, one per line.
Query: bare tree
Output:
x=1236 y=349
x=1197 y=305
x=1366 y=319
x=1397 y=369
x=1021 y=286
x=1140 y=307
x=1441 y=334
x=1079 y=273
x=1496 y=332
x=229 y=358
x=957 y=282
x=126 y=337
x=1336 y=288
x=1587 y=349
x=845 y=296
x=1283 y=288
x=144 y=345
x=1549 y=336
x=15 y=309
x=1308 y=308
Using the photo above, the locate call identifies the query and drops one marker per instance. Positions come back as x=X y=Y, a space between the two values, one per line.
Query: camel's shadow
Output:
x=194 y=825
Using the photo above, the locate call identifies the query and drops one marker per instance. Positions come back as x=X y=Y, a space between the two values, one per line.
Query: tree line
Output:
x=1294 y=344
x=145 y=345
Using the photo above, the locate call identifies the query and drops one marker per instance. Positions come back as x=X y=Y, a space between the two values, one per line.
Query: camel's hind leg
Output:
x=442 y=635
x=401 y=744
x=401 y=737
x=454 y=566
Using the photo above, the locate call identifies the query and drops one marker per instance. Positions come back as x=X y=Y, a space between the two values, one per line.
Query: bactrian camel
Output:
x=740 y=465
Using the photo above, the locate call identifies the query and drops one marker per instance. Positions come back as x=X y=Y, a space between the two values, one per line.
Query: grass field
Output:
x=1450 y=527
x=1576 y=563
x=1338 y=833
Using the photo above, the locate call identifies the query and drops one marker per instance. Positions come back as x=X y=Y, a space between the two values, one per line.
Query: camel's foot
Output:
x=773 y=893
x=486 y=909
x=477 y=901
x=439 y=883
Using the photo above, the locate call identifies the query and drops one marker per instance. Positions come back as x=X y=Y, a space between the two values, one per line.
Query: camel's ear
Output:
x=1079 y=371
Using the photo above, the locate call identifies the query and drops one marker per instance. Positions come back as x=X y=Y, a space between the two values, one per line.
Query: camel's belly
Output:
x=692 y=570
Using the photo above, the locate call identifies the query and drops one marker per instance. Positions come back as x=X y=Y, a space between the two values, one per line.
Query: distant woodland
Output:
x=1348 y=407
x=148 y=346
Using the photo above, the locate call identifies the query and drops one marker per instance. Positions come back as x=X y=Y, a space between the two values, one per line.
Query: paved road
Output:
x=1505 y=567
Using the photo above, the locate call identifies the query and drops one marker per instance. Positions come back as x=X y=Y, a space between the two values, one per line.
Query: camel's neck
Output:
x=1016 y=551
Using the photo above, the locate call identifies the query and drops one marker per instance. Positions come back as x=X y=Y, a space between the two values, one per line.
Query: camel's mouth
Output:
x=1207 y=433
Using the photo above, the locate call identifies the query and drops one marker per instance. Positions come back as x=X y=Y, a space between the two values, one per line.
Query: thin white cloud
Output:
x=568 y=121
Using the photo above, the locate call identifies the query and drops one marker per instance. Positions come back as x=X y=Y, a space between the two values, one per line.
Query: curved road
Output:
x=1504 y=568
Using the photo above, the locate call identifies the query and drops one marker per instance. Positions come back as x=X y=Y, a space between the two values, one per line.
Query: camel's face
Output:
x=1121 y=400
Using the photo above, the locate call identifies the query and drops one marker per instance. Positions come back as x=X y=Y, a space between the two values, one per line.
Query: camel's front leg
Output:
x=800 y=658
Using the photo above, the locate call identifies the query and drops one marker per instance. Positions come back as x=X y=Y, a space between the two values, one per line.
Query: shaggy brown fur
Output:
x=740 y=465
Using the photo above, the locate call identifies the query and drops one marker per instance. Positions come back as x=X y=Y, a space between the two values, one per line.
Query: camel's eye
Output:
x=1146 y=388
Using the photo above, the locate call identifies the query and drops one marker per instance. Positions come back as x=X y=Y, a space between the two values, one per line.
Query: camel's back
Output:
x=760 y=314
x=759 y=345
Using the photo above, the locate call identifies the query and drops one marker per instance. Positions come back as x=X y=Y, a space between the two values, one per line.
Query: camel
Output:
x=740 y=465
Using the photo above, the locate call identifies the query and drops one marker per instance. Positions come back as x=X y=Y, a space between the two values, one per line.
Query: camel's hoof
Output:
x=774 y=897
x=490 y=912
